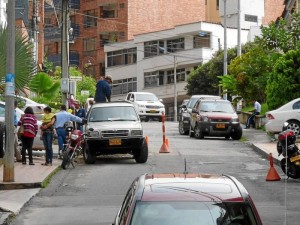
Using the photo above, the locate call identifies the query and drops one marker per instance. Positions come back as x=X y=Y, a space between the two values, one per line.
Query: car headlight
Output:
x=235 y=120
x=74 y=136
x=93 y=133
x=205 y=119
x=136 y=132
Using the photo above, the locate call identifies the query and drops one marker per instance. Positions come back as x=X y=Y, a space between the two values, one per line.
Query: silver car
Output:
x=114 y=128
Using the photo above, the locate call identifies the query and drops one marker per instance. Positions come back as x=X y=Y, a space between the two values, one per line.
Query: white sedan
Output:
x=290 y=112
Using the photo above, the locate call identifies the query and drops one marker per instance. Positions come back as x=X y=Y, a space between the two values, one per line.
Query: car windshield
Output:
x=191 y=103
x=117 y=113
x=224 y=107
x=192 y=213
x=146 y=97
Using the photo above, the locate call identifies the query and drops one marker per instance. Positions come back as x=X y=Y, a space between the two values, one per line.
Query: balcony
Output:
x=52 y=33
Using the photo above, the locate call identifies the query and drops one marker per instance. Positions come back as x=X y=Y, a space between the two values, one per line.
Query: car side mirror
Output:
x=183 y=106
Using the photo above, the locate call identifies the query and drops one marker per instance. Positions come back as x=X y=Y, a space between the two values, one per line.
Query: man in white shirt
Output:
x=250 y=120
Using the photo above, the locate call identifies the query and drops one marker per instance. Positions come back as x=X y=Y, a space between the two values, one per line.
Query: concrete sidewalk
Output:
x=29 y=179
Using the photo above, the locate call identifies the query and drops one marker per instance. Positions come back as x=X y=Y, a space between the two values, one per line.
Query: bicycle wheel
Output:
x=67 y=157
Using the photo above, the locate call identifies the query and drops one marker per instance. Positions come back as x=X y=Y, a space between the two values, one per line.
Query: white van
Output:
x=147 y=105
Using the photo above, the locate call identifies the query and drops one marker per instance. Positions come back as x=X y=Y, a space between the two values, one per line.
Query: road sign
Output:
x=75 y=78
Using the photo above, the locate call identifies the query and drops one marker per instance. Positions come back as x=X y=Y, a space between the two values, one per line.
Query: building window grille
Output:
x=121 y=57
x=180 y=75
x=175 y=45
x=151 y=79
x=153 y=48
x=90 y=18
x=124 y=86
x=202 y=41
x=89 y=44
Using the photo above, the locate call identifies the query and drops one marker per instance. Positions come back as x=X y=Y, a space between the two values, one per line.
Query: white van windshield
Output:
x=146 y=97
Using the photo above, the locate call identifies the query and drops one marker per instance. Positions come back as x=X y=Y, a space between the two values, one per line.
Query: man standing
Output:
x=80 y=112
x=59 y=120
x=103 y=90
x=256 y=111
x=17 y=152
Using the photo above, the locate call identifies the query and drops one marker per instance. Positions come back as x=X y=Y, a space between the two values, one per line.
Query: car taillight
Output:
x=270 y=116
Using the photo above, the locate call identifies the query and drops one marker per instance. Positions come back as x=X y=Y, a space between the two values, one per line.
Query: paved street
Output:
x=92 y=194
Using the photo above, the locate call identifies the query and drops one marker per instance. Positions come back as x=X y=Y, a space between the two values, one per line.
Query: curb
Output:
x=265 y=154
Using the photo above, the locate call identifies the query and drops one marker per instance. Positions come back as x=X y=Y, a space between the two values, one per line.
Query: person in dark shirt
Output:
x=81 y=113
x=103 y=89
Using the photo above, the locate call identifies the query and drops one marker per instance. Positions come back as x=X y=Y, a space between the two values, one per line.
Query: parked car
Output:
x=38 y=108
x=215 y=118
x=114 y=128
x=189 y=199
x=37 y=143
x=147 y=105
x=186 y=110
x=290 y=112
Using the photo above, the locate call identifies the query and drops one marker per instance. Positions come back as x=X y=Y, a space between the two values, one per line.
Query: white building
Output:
x=146 y=63
x=3 y=15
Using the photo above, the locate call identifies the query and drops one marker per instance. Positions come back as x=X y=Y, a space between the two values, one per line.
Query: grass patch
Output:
x=243 y=139
x=48 y=179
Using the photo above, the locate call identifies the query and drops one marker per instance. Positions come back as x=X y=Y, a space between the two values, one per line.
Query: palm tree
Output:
x=24 y=63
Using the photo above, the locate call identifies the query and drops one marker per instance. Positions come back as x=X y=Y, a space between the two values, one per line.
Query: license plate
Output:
x=295 y=158
x=115 y=141
x=220 y=125
x=152 y=111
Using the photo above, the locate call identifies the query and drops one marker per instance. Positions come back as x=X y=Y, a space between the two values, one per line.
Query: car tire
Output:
x=88 y=155
x=2 y=140
x=294 y=125
x=181 y=129
x=237 y=134
x=197 y=132
x=191 y=132
x=141 y=155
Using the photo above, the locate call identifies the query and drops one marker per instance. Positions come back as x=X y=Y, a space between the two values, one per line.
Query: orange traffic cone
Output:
x=272 y=174
x=164 y=148
x=147 y=140
x=167 y=142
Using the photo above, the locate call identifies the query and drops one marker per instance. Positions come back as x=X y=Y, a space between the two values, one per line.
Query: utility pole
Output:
x=35 y=33
x=239 y=49
x=225 y=45
x=65 y=52
x=8 y=163
x=175 y=89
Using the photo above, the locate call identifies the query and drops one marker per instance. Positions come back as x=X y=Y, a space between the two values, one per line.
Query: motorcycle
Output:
x=286 y=146
x=74 y=145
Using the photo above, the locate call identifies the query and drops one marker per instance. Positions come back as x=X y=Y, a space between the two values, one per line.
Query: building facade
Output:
x=149 y=61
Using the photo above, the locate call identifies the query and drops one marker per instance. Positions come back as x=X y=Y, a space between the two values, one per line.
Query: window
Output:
x=180 y=75
x=90 y=18
x=153 y=48
x=122 y=5
x=121 y=57
x=89 y=44
x=175 y=45
x=124 y=86
x=202 y=41
x=251 y=18
x=296 y=105
x=151 y=79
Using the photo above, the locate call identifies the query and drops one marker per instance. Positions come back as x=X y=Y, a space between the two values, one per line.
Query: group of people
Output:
x=53 y=124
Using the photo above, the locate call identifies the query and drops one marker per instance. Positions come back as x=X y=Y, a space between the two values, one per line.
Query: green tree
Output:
x=44 y=86
x=284 y=82
x=24 y=64
x=87 y=84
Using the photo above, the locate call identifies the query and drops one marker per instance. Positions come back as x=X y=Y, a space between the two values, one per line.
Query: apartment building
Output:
x=149 y=61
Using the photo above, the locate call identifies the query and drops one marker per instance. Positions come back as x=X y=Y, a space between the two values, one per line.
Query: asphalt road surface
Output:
x=92 y=194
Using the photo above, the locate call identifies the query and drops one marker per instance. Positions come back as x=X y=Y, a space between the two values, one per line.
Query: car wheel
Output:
x=88 y=155
x=237 y=134
x=141 y=155
x=2 y=140
x=191 y=132
x=198 y=133
x=294 y=126
x=181 y=130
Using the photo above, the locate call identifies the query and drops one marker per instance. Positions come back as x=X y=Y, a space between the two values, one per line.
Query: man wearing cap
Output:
x=103 y=90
